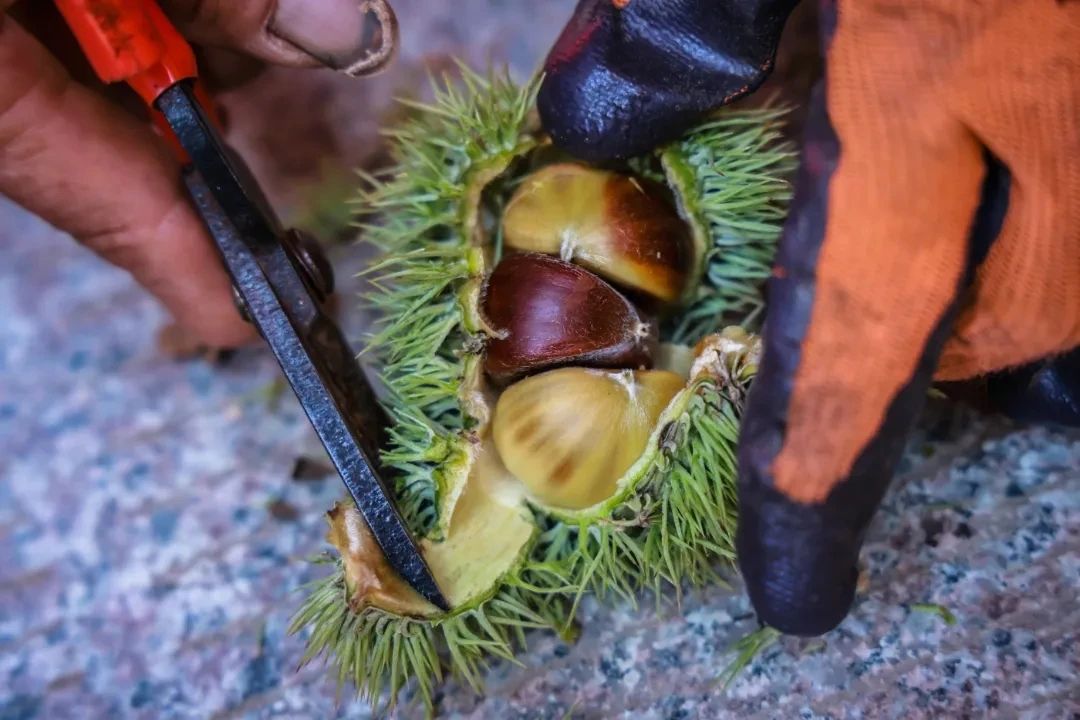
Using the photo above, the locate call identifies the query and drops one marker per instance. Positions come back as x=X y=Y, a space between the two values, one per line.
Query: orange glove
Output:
x=935 y=230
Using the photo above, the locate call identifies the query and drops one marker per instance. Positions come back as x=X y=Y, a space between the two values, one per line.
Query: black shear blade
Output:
x=317 y=361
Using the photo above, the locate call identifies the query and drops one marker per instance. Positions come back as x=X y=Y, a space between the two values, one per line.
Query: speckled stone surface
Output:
x=152 y=538
x=152 y=541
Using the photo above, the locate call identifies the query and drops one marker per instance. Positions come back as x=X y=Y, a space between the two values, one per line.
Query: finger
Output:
x=355 y=36
x=626 y=76
x=94 y=171
x=1047 y=391
x=868 y=279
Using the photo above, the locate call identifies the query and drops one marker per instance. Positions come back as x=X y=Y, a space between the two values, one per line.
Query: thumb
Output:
x=355 y=36
x=624 y=77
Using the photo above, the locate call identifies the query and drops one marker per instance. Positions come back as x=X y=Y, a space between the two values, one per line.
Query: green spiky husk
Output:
x=682 y=522
x=420 y=226
x=731 y=175
x=378 y=652
x=681 y=516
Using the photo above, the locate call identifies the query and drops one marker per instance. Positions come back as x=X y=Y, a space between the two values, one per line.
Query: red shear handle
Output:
x=130 y=41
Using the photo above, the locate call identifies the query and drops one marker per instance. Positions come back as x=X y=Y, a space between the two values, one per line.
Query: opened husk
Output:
x=509 y=559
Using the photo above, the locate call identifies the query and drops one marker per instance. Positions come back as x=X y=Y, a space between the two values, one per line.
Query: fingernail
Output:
x=357 y=37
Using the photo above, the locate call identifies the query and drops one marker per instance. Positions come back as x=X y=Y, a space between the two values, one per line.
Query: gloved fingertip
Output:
x=599 y=118
x=624 y=78
x=1047 y=391
x=800 y=575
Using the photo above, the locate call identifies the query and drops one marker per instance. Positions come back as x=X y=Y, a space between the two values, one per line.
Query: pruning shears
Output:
x=280 y=280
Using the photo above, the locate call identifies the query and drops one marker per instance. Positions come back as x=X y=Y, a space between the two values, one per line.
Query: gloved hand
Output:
x=94 y=170
x=935 y=229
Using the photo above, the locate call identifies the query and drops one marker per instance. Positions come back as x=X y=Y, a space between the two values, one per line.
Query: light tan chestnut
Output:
x=570 y=434
x=620 y=227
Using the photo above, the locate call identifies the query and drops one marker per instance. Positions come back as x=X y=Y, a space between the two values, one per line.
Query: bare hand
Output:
x=93 y=169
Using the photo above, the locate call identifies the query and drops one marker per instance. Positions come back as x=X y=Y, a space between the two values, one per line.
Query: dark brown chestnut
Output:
x=545 y=313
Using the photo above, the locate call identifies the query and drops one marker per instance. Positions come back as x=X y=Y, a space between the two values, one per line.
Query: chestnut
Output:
x=621 y=227
x=544 y=313
x=570 y=434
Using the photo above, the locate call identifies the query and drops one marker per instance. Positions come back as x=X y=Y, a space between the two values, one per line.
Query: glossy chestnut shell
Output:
x=545 y=313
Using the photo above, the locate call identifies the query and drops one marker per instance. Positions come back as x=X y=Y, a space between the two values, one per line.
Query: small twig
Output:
x=748 y=648
x=941 y=611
